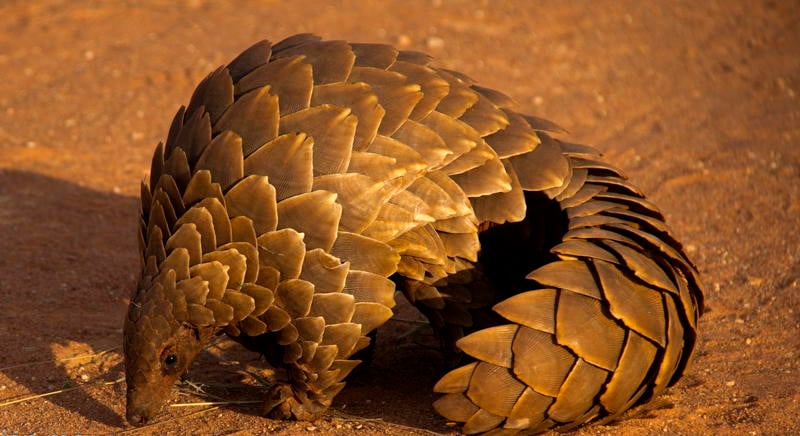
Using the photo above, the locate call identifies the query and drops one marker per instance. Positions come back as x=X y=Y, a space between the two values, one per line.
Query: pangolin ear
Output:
x=193 y=331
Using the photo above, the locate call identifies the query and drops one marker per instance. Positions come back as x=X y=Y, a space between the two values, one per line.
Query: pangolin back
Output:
x=308 y=180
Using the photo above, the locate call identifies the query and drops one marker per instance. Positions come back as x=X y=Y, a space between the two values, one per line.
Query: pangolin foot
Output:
x=283 y=403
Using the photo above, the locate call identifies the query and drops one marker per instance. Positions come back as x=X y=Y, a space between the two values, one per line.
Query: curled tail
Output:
x=608 y=323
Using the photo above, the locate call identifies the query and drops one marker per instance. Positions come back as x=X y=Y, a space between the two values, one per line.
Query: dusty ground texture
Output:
x=696 y=100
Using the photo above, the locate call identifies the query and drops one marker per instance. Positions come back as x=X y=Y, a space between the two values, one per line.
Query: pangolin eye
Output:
x=170 y=360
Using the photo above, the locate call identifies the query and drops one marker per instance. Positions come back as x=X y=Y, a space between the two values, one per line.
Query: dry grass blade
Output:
x=409 y=321
x=150 y=426
x=59 y=391
x=215 y=403
x=197 y=388
x=257 y=377
x=338 y=415
x=66 y=359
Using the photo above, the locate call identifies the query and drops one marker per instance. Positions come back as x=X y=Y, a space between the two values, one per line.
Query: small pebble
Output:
x=730 y=383
x=435 y=43
x=88 y=55
x=403 y=40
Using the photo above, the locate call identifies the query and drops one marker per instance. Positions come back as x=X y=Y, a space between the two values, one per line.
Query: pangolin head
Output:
x=158 y=347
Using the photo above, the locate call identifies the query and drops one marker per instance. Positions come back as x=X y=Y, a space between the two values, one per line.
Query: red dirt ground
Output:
x=696 y=100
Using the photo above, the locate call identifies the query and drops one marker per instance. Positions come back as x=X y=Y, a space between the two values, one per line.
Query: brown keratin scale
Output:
x=308 y=180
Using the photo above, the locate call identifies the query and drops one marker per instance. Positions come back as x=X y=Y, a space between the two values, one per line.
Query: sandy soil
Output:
x=696 y=100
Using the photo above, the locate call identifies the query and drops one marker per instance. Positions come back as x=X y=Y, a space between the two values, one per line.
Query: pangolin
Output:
x=308 y=181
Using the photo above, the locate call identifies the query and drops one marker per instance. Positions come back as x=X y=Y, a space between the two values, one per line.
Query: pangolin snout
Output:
x=141 y=409
x=135 y=417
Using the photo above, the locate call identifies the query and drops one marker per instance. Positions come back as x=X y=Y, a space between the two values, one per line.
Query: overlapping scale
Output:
x=504 y=206
x=544 y=376
x=289 y=79
x=191 y=139
x=284 y=251
x=254 y=56
x=199 y=187
x=155 y=245
x=365 y=254
x=333 y=130
x=489 y=178
x=331 y=61
x=242 y=230
x=320 y=232
x=582 y=325
x=359 y=196
x=485 y=117
x=634 y=364
x=578 y=392
x=529 y=411
x=223 y=158
x=568 y=274
x=326 y=272
x=424 y=141
x=494 y=389
x=369 y=287
x=333 y=307
x=374 y=55
x=288 y=162
x=214 y=94
x=163 y=199
x=543 y=168
x=178 y=261
x=294 y=297
x=363 y=103
x=219 y=218
x=203 y=223
x=370 y=315
x=534 y=309
x=455 y=407
x=375 y=165
x=395 y=95
x=460 y=98
x=254 y=117
x=415 y=208
x=433 y=87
